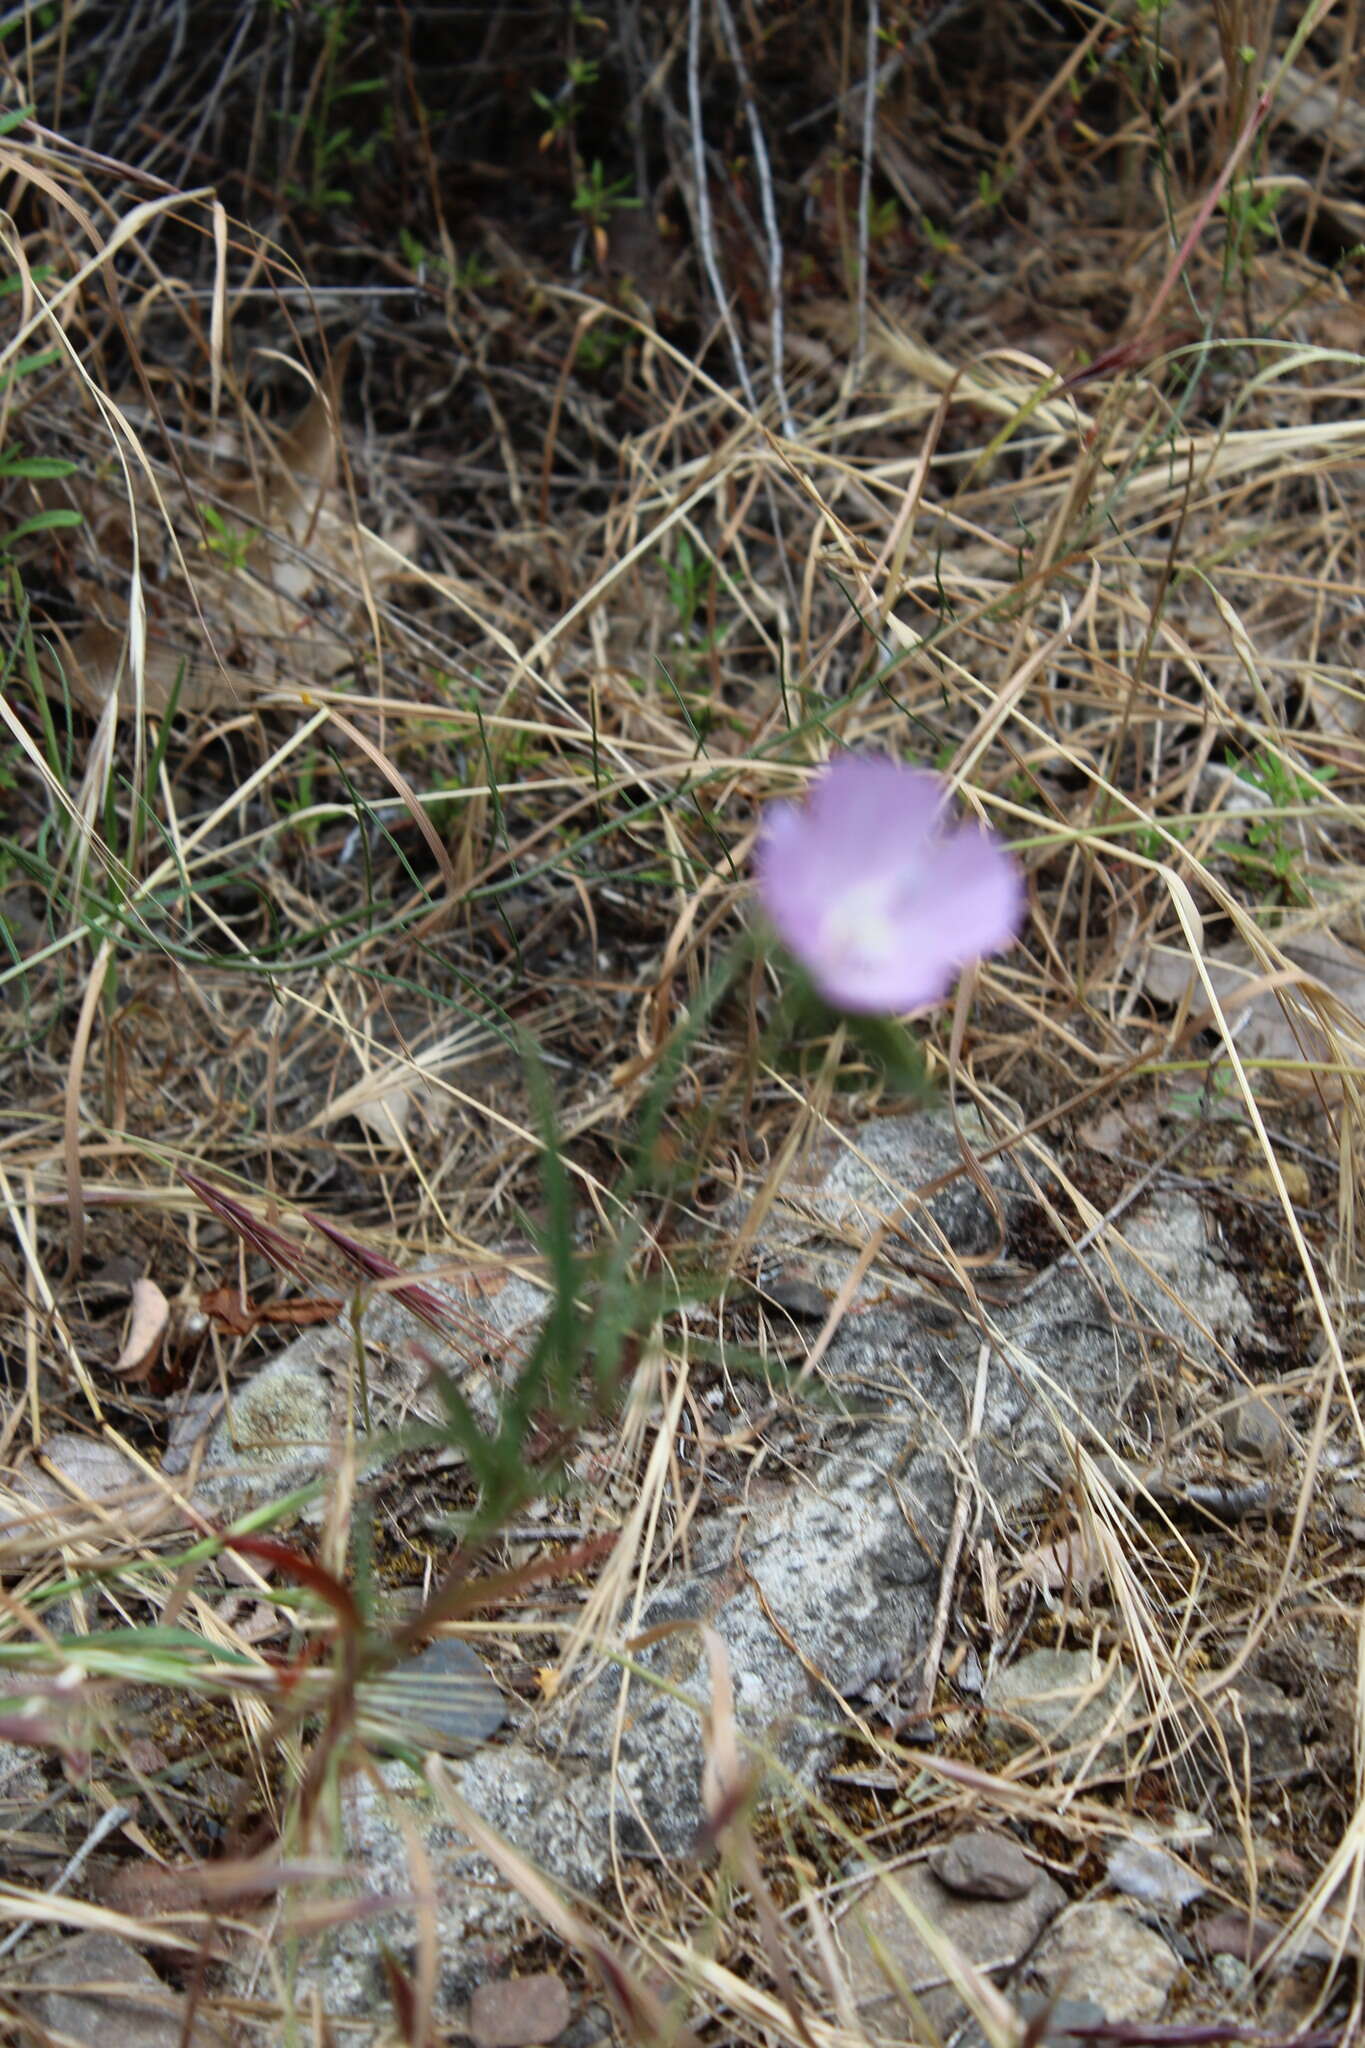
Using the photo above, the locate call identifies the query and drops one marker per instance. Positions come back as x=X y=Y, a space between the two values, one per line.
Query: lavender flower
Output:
x=881 y=900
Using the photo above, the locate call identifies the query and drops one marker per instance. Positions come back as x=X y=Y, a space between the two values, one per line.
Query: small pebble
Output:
x=443 y=1698
x=519 y=2012
x=1066 y=2018
x=791 y=1289
x=1233 y=1974
x=982 y=1864
x=1254 y=1429
x=1145 y=1871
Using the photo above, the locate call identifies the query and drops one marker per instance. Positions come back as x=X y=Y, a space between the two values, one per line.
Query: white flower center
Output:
x=859 y=928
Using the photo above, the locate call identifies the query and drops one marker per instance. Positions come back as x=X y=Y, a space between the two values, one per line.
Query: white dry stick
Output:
x=865 y=187
x=705 y=234
x=967 y=1485
x=105 y=1825
x=763 y=170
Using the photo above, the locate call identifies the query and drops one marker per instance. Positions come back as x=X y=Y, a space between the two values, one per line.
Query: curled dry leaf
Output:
x=92 y=664
x=1275 y=1019
x=142 y=1345
x=239 y=1317
x=386 y=1102
x=1072 y=1562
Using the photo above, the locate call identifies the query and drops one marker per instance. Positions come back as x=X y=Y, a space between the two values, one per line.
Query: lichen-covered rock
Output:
x=480 y=1920
x=1104 y=1950
x=821 y=1581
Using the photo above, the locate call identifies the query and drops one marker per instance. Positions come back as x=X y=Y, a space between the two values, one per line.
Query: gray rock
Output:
x=90 y=1464
x=561 y=1825
x=1174 y=1274
x=444 y=1698
x=844 y=1570
x=1265 y=1727
x=1102 y=1950
x=843 y=1190
x=1348 y=1498
x=1235 y=1976
x=1066 y=2019
x=559 y=1821
x=1061 y=1700
x=844 y=1566
x=1254 y=1429
x=135 y=2007
x=983 y=1864
x=21 y=1776
x=790 y=1291
x=823 y=1587
x=91 y=1467
x=1146 y=1871
x=886 y=1955
x=278 y=1433
x=282 y=1427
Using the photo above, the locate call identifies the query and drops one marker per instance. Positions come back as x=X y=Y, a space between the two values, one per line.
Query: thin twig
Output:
x=763 y=172
x=967 y=1486
x=705 y=231
x=105 y=1825
x=865 y=189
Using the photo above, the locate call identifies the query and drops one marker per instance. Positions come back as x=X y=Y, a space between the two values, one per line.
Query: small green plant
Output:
x=16 y=464
x=600 y=345
x=562 y=107
x=1215 y=1098
x=689 y=577
x=301 y=800
x=232 y=544
x=332 y=149
x=1269 y=850
x=597 y=201
x=991 y=185
x=1155 y=845
x=1250 y=215
x=470 y=273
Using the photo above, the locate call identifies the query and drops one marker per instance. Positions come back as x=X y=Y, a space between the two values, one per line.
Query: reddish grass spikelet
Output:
x=272 y=1244
x=424 y=1303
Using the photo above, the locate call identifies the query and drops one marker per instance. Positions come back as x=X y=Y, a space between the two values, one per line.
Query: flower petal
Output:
x=864 y=803
x=982 y=891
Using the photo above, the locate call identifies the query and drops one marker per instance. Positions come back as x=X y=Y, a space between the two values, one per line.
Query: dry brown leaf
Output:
x=93 y=663
x=385 y=1104
x=297 y=534
x=1338 y=707
x=141 y=1346
x=239 y=1318
x=87 y=1464
x=1260 y=1025
x=1258 y=1180
x=1072 y=1562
